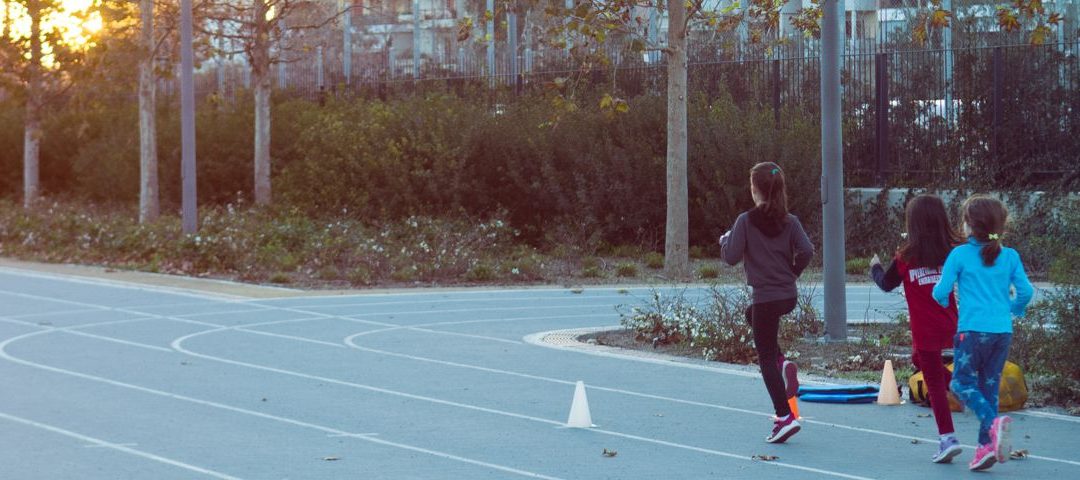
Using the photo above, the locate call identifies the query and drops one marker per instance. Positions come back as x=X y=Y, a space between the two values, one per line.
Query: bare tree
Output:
x=149 y=200
x=258 y=26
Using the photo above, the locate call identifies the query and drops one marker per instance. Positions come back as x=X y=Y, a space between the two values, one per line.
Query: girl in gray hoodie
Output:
x=774 y=250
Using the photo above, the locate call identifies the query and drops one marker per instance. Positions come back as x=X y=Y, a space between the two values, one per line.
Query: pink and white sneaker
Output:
x=783 y=429
x=984 y=458
x=1000 y=438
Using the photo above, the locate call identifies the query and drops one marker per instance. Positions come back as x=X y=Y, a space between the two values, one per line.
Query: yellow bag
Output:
x=1011 y=396
x=919 y=393
x=1013 y=392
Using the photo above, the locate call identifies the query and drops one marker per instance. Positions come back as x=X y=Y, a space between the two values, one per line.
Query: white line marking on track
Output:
x=656 y=361
x=117 y=446
x=102 y=282
x=327 y=316
x=1050 y=415
x=178 y=346
x=51 y=314
x=117 y=340
x=465 y=300
x=6 y=356
x=110 y=445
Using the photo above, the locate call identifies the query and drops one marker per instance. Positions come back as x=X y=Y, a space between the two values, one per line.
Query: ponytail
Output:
x=990 y=251
x=986 y=217
x=769 y=180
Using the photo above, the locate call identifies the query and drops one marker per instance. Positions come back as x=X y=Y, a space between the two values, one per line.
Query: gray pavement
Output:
x=108 y=380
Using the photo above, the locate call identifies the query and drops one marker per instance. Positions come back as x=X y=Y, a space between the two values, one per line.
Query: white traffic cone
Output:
x=579 y=410
x=888 y=394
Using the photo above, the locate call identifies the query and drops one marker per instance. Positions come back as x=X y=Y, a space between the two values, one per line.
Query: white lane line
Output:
x=111 y=283
x=350 y=341
x=1050 y=415
x=681 y=365
x=110 y=445
x=463 y=300
x=734 y=372
x=207 y=403
x=73 y=330
x=51 y=314
x=567 y=291
x=178 y=346
x=423 y=326
x=117 y=340
x=289 y=337
x=121 y=447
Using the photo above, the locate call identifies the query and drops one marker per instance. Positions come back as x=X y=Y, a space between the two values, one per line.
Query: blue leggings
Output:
x=976 y=378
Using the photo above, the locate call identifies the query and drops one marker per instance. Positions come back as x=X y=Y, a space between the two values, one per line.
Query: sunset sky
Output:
x=75 y=20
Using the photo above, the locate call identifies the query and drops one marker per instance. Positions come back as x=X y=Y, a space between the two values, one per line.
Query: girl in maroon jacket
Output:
x=917 y=266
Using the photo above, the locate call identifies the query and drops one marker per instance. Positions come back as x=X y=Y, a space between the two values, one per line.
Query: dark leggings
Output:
x=937 y=379
x=765 y=322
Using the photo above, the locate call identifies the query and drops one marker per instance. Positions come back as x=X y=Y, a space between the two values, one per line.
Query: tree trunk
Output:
x=149 y=203
x=32 y=133
x=260 y=72
x=676 y=261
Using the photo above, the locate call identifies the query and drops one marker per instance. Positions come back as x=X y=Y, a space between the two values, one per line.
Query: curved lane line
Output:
x=207 y=403
x=178 y=346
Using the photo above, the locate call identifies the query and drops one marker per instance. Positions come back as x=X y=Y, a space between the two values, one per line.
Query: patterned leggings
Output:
x=980 y=357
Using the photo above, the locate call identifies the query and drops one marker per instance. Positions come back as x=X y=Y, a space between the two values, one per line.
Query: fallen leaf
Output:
x=577 y=290
x=331 y=459
x=923 y=415
x=764 y=458
x=1019 y=454
x=264 y=399
x=914 y=441
x=610 y=453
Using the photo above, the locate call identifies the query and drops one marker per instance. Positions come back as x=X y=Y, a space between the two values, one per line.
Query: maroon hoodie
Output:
x=932 y=326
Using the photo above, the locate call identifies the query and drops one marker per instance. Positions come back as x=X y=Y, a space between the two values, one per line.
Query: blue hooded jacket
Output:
x=986 y=304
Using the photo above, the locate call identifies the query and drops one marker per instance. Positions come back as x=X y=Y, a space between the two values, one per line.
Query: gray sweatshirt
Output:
x=774 y=253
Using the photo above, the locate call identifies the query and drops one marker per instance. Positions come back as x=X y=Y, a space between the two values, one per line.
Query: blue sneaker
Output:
x=947 y=450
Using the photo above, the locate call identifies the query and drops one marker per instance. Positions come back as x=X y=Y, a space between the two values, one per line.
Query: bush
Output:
x=480 y=273
x=592 y=272
x=256 y=245
x=708 y=272
x=280 y=278
x=626 y=269
x=654 y=260
x=857 y=266
x=718 y=328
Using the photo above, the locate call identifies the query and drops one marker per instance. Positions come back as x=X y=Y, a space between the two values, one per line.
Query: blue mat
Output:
x=837 y=389
x=839 y=398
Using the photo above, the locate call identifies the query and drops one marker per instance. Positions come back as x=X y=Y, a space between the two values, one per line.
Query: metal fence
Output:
x=1005 y=115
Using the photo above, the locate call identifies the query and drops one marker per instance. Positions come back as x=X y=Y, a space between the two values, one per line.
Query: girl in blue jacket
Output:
x=983 y=271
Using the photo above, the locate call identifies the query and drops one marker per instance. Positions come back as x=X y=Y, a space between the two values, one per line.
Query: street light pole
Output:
x=187 y=121
x=832 y=171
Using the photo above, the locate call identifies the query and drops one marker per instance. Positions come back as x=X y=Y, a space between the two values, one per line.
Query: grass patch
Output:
x=708 y=272
x=654 y=260
x=626 y=269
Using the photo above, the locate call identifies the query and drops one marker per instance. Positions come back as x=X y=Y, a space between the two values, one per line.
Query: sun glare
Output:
x=75 y=23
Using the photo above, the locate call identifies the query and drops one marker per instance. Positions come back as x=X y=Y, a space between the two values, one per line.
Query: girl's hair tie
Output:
x=994 y=236
x=775 y=171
